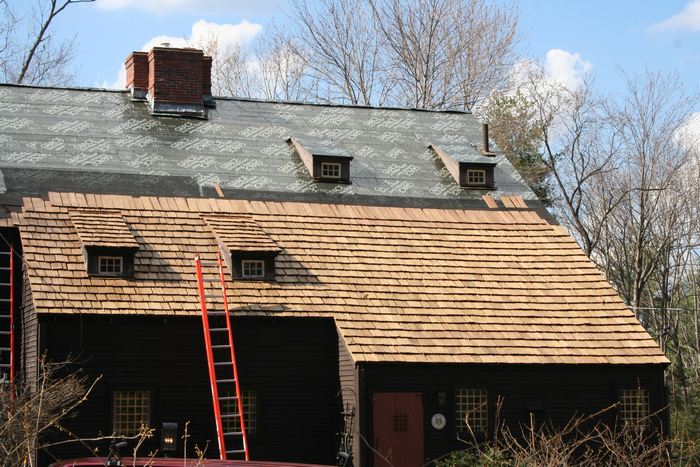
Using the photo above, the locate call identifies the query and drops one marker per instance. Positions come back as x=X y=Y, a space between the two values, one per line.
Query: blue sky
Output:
x=602 y=36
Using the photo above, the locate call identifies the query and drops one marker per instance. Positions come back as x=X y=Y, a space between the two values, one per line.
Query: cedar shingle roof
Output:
x=403 y=284
x=102 y=229
x=240 y=234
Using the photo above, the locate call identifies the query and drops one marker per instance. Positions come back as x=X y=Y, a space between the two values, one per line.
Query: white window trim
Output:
x=482 y=174
x=253 y=276
x=333 y=166
x=120 y=263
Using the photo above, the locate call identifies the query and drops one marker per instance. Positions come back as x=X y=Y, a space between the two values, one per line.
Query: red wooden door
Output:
x=398 y=429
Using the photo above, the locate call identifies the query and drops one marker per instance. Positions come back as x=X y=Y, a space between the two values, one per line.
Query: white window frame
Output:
x=331 y=170
x=258 y=268
x=472 y=173
x=117 y=265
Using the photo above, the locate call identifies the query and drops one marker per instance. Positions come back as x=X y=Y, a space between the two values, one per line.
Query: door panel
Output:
x=398 y=428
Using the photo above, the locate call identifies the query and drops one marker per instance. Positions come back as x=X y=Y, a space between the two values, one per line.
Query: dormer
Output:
x=107 y=243
x=470 y=167
x=247 y=249
x=323 y=158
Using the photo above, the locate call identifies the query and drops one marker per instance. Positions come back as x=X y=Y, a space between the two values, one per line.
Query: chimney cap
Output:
x=165 y=44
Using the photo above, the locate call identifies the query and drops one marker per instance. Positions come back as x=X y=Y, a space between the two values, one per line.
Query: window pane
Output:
x=476 y=177
x=110 y=264
x=131 y=410
x=330 y=170
x=253 y=268
x=250 y=415
x=472 y=410
x=634 y=407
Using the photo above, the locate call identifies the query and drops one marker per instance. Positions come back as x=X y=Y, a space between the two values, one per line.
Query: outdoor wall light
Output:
x=441 y=399
x=169 y=437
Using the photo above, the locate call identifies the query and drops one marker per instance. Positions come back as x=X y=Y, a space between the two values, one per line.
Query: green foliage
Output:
x=490 y=457
x=685 y=415
x=513 y=127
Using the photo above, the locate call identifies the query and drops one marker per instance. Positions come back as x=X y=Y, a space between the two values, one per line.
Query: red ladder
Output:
x=221 y=359
x=7 y=316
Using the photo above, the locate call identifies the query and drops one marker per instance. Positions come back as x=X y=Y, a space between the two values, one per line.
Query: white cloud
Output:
x=688 y=18
x=119 y=83
x=168 y=7
x=566 y=68
x=226 y=34
x=689 y=133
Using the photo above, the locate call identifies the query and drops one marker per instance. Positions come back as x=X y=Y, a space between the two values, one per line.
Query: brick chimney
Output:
x=173 y=81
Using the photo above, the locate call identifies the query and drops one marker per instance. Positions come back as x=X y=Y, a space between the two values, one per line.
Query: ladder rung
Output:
x=5 y=269
x=212 y=280
x=222 y=346
x=5 y=284
x=8 y=348
x=228 y=398
x=5 y=365
x=233 y=433
x=214 y=296
x=218 y=329
x=216 y=363
x=214 y=313
x=5 y=300
x=5 y=333
x=237 y=451
x=231 y=415
x=209 y=263
x=223 y=380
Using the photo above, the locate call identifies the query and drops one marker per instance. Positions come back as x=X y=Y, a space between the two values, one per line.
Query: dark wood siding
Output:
x=291 y=363
x=551 y=392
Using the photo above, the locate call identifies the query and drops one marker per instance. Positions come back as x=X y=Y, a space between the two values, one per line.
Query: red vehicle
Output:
x=170 y=462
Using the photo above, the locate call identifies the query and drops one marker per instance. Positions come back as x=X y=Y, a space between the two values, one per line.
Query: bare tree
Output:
x=446 y=53
x=230 y=73
x=654 y=214
x=279 y=72
x=572 y=140
x=36 y=59
x=339 y=42
x=35 y=408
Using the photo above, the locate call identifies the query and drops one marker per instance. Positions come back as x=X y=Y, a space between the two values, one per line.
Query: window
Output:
x=476 y=177
x=114 y=262
x=472 y=410
x=110 y=265
x=330 y=170
x=325 y=161
x=249 y=398
x=131 y=410
x=634 y=408
x=253 y=268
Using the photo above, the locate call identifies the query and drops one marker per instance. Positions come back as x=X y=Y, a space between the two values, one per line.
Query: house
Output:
x=387 y=270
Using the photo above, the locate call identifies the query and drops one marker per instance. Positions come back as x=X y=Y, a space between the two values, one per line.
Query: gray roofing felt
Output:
x=99 y=141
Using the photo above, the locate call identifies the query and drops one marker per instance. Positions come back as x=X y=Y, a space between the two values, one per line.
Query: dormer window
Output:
x=469 y=167
x=247 y=249
x=110 y=265
x=325 y=160
x=476 y=177
x=108 y=244
x=253 y=269
x=330 y=170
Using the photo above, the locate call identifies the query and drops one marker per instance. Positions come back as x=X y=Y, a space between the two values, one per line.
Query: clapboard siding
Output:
x=291 y=363
x=561 y=391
